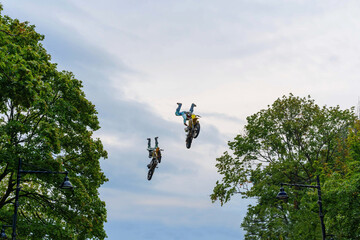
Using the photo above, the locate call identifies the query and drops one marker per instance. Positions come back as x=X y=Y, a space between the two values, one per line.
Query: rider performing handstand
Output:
x=186 y=115
x=156 y=148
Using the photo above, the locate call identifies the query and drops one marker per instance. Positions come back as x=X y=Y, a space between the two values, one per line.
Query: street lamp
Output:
x=283 y=196
x=65 y=185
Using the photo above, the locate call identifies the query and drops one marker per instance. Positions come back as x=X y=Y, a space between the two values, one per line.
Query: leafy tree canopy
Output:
x=291 y=141
x=342 y=188
x=46 y=120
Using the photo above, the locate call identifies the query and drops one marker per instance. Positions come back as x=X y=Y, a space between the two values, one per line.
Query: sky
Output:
x=137 y=59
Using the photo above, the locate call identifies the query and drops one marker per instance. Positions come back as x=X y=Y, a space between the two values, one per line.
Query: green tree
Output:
x=46 y=120
x=342 y=188
x=291 y=141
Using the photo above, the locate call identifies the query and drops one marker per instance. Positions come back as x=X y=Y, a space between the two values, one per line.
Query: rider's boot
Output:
x=148 y=166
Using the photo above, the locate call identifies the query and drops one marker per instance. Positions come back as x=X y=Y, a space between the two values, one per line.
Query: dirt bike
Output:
x=193 y=129
x=156 y=159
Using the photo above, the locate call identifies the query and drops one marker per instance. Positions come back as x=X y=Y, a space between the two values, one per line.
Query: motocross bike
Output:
x=156 y=159
x=193 y=129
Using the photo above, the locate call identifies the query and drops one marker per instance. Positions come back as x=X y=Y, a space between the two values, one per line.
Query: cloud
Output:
x=137 y=59
x=173 y=210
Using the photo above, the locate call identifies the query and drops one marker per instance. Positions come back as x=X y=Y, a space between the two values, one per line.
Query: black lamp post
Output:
x=283 y=196
x=65 y=185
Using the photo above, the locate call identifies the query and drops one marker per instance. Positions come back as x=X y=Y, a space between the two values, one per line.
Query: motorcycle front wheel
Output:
x=188 y=142
x=150 y=173
x=151 y=170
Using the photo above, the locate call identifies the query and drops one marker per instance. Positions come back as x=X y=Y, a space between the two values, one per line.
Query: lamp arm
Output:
x=321 y=215
x=299 y=185
x=17 y=192
x=48 y=172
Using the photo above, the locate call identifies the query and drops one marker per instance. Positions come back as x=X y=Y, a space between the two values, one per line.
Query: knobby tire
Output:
x=151 y=170
x=197 y=129
x=189 y=141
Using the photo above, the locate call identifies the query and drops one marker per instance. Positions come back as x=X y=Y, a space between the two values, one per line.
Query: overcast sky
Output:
x=137 y=59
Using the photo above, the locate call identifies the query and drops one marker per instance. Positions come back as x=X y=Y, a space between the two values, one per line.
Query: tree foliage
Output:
x=46 y=120
x=291 y=141
x=342 y=188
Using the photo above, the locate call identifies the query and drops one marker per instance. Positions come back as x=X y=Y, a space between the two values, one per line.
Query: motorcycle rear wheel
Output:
x=196 y=130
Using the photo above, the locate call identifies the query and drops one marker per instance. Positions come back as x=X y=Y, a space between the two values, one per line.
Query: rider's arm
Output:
x=185 y=122
x=185 y=118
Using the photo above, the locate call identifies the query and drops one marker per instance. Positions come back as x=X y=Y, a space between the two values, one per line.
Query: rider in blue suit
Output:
x=185 y=114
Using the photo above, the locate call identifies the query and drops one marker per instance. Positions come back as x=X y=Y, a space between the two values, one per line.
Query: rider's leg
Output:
x=192 y=107
x=156 y=142
x=177 y=112
x=149 y=142
x=149 y=147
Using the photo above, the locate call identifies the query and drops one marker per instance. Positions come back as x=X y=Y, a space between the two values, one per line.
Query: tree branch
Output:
x=13 y=35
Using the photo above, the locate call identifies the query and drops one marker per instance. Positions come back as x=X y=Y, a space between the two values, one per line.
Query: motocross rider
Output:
x=185 y=114
x=150 y=149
